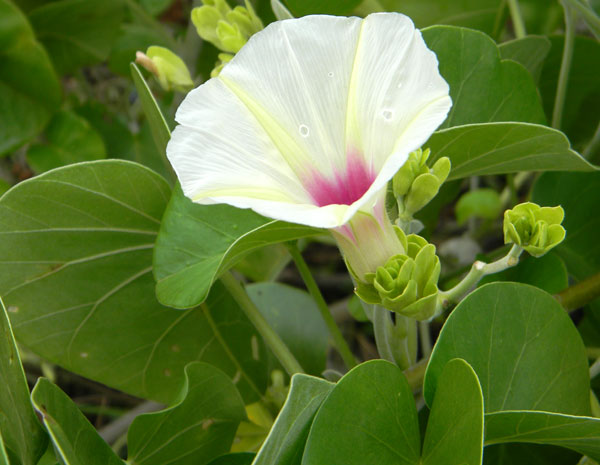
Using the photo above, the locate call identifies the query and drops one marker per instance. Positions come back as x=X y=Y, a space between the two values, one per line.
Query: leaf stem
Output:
x=338 y=339
x=517 y=19
x=580 y=294
x=478 y=271
x=565 y=66
x=396 y=342
x=271 y=338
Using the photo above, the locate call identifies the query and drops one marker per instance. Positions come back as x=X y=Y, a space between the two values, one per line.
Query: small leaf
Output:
x=530 y=51
x=20 y=430
x=478 y=203
x=73 y=436
x=483 y=87
x=197 y=243
x=455 y=426
x=293 y=314
x=581 y=434
x=286 y=441
x=369 y=417
x=500 y=148
x=523 y=346
x=196 y=430
x=29 y=88
x=70 y=139
x=77 y=32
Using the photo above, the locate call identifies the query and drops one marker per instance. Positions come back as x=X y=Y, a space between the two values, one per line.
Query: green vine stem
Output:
x=478 y=271
x=416 y=374
x=517 y=19
x=271 y=338
x=396 y=341
x=580 y=294
x=565 y=66
x=338 y=339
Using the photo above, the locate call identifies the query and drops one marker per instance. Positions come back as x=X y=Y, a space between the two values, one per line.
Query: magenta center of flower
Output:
x=347 y=185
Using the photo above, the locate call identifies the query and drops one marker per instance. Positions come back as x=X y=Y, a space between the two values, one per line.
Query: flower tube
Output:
x=308 y=123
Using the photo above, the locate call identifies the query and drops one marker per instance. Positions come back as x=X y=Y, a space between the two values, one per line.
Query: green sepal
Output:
x=171 y=71
x=536 y=229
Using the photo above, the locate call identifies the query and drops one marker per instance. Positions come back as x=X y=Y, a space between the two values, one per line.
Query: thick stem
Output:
x=478 y=271
x=271 y=338
x=425 y=337
x=580 y=294
x=565 y=66
x=381 y=327
x=396 y=342
x=338 y=339
x=416 y=373
x=517 y=19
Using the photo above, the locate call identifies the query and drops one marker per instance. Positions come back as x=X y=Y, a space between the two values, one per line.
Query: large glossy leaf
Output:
x=369 y=417
x=455 y=426
x=484 y=15
x=578 y=194
x=20 y=430
x=483 y=87
x=286 y=441
x=79 y=239
x=581 y=434
x=497 y=148
x=580 y=115
x=77 y=32
x=74 y=438
x=198 y=429
x=523 y=346
x=530 y=51
x=293 y=314
x=69 y=139
x=238 y=458
x=29 y=88
x=198 y=242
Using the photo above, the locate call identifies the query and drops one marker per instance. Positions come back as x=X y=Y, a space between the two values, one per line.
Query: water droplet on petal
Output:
x=330 y=74
x=304 y=131
x=387 y=114
x=399 y=85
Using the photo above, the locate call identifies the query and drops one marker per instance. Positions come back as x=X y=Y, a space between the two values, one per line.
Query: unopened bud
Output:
x=169 y=69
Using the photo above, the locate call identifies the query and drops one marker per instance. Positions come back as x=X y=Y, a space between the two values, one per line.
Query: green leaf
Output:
x=499 y=148
x=581 y=434
x=196 y=430
x=84 y=248
x=483 y=87
x=158 y=124
x=529 y=454
x=580 y=114
x=479 y=203
x=530 y=51
x=369 y=417
x=74 y=438
x=293 y=315
x=3 y=454
x=548 y=272
x=313 y=7
x=286 y=441
x=77 y=32
x=264 y=264
x=156 y=7
x=484 y=15
x=523 y=346
x=455 y=426
x=29 y=88
x=69 y=139
x=20 y=430
x=197 y=243
x=239 y=458
x=578 y=194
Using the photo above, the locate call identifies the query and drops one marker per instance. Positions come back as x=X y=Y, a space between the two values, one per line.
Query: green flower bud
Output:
x=414 y=185
x=407 y=283
x=170 y=70
x=226 y=29
x=536 y=229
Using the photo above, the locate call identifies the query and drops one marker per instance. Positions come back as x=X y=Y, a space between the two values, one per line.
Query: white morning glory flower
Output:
x=310 y=121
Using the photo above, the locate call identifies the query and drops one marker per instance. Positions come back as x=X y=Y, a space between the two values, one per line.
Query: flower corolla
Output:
x=310 y=120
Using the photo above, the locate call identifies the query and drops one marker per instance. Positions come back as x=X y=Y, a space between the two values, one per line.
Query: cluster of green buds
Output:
x=226 y=28
x=169 y=69
x=415 y=184
x=536 y=229
x=407 y=283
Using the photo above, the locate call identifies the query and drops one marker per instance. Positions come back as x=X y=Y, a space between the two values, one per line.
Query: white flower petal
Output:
x=311 y=118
